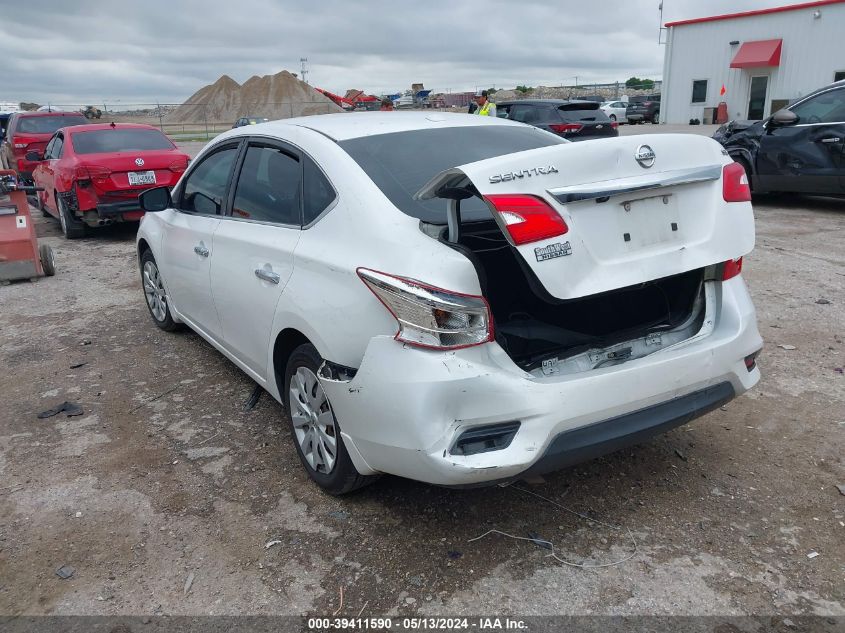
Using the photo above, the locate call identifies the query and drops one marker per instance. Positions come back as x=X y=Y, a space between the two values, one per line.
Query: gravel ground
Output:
x=165 y=495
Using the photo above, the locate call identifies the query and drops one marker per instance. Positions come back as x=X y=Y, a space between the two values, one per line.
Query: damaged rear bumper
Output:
x=405 y=409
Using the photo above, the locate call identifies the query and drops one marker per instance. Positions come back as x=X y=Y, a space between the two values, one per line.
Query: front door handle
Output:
x=201 y=250
x=830 y=140
x=267 y=275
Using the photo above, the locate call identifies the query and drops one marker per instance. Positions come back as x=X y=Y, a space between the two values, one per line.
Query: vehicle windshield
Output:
x=400 y=163
x=47 y=124
x=119 y=140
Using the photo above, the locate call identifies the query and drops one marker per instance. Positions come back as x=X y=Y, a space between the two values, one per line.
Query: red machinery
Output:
x=20 y=255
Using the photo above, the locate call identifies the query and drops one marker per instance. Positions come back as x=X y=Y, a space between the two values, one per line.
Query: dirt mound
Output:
x=278 y=96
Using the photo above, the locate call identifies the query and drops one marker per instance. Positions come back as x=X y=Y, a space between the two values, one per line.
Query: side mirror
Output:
x=157 y=199
x=784 y=117
x=34 y=156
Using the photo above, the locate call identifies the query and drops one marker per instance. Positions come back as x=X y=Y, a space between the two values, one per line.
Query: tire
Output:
x=155 y=295
x=71 y=227
x=47 y=262
x=313 y=425
x=655 y=118
x=612 y=117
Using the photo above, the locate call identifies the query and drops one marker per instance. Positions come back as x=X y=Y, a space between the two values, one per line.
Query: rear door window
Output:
x=269 y=187
x=530 y=114
x=206 y=186
x=319 y=193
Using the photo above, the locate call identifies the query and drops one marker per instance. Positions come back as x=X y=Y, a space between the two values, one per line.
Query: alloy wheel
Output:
x=154 y=291
x=313 y=421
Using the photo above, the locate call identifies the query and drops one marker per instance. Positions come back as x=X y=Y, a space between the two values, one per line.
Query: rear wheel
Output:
x=612 y=117
x=72 y=228
x=315 y=428
x=156 y=296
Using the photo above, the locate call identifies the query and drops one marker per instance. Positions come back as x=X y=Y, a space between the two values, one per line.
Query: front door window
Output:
x=757 y=98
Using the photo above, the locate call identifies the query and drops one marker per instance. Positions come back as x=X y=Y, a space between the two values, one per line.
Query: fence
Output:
x=191 y=121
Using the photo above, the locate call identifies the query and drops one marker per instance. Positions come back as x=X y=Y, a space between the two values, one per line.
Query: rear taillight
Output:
x=431 y=317
x=565 y=128
x=614 y=124
x=178 y=166
x=731 y=268
x=735 y=187
x=97 y=173
x=526 y=218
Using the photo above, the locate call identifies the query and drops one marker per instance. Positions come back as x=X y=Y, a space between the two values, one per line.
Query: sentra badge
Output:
x=525 y=173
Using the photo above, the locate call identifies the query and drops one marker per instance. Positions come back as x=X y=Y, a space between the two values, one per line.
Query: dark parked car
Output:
x=250 y=120
x=573 y=120
x=641 y=109
x=799 y=149
x=29 y=132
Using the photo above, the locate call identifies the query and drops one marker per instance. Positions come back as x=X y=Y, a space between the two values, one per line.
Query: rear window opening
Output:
x=119 y=140
x=547 y=335
x=47 y=124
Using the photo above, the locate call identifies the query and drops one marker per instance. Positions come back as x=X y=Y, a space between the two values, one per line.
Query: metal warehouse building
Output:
x=764 y=59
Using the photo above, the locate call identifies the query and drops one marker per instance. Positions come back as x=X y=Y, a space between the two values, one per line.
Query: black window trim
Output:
x=262 y=141
x=807 y=98
x=238 y=145
x=295 y=150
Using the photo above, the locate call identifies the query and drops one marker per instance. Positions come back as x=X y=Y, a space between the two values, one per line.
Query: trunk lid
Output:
x=111 y=173
x=628 y=223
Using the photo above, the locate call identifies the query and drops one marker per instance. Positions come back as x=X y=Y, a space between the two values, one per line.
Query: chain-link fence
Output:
x=191 y=121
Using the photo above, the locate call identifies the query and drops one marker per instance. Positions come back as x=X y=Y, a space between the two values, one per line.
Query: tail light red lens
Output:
x=731 y=268
x=565 y=128
x=431 y=317
x=614 y=124
x=527 y=218
x=735 y=187
x=178 y=166
x=97 y=173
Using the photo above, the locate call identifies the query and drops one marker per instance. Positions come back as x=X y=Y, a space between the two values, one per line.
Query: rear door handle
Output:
x=201 y=250
x=830 y=140
x=267 y=275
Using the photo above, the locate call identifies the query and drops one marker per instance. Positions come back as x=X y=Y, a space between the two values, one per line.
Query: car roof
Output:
x=547 y=101
x=92 y=127
x=46 y=113
x=348 y=125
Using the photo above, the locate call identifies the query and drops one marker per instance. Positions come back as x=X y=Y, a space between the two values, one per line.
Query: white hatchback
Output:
x=460 y=300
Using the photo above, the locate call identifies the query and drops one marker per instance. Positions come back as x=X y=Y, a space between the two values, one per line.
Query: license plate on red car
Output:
x=142 y=178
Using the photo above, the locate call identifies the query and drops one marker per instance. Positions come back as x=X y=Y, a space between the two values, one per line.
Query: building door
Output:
x=757 y=98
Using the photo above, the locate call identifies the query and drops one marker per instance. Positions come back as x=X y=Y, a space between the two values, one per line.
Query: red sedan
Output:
x=92 y=174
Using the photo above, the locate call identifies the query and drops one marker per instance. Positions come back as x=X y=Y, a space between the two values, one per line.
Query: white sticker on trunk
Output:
x=21 y=220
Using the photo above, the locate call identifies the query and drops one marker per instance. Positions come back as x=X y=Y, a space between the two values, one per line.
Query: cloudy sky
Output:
x=91 y=51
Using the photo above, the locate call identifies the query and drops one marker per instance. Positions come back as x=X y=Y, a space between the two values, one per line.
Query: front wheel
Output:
x=156 y=296
x=315 y=428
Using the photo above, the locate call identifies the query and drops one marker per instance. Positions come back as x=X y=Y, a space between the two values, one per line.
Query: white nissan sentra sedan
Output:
x=460 y=300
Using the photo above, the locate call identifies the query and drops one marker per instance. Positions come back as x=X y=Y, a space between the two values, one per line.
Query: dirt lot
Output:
x=166 y=479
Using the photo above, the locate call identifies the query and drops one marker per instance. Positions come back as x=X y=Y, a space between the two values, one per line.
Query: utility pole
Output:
x=303 y=69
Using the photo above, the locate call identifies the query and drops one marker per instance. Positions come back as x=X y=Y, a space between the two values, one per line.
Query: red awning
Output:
x=758 y=54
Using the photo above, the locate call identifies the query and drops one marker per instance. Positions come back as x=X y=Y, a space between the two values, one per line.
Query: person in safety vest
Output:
x=485 y=108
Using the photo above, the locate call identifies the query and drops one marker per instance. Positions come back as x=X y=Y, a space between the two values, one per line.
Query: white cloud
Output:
x=94 y=51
